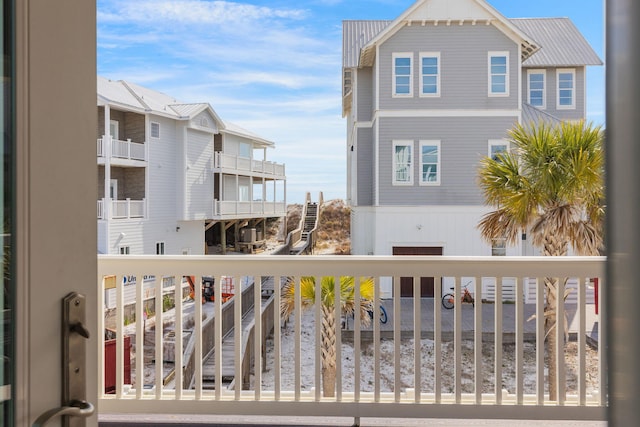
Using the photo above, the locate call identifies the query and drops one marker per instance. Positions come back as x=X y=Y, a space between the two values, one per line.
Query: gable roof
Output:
x=133 y=97
x=561 y=43
x=356 y=35
x=447 y=11
x=234 y=129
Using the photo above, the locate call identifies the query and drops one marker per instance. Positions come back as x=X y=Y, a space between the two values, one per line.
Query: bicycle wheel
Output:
x=447 y=301
x=383 y=315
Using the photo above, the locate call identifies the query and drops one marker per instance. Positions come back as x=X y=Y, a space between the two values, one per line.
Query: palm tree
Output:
x=550 y=185
x=328 y=301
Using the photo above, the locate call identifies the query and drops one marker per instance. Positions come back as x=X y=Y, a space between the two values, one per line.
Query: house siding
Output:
x=199 y=175
x=364 y=94
x=463 y=66
x=463 y=142
x=365 y=167
x=551 y=92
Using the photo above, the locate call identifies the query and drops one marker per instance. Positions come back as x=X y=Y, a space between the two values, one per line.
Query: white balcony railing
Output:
x=231 y=208
x=482 y=361
x=237 y=163
x=123 y=209
x=123 y=149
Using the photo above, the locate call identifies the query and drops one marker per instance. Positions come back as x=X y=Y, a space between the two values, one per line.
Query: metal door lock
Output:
x=75 y=334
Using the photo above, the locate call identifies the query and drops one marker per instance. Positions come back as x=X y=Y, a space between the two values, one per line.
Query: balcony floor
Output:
x=128 y=420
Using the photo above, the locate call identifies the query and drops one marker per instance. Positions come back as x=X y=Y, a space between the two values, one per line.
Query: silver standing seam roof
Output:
x=561 y=43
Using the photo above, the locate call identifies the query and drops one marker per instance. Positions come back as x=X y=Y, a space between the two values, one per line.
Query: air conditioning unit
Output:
x=248 y=235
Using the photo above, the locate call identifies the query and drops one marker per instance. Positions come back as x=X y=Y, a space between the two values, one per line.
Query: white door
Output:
x=55 y=226
x=113 y=189
x=113 y=129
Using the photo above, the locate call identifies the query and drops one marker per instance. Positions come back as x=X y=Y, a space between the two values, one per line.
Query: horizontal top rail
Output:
x=381 y=266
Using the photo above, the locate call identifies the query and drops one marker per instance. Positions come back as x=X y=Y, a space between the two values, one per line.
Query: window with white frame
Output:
x=496 y=147
x=498 y=73
x=402 y=74
x=155 y=130
x=429 y=162
x=244 y=150
x=430 y=74
x=125 y=250
x=402 y=162
x=537 y=84
x=159 y=248
x=499 y=247
x=566 y=84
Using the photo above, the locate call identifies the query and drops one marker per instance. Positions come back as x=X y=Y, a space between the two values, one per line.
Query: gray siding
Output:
x=131 y=182
x=464 y=141
x=551 y=93
x=464 y=66
x=364 y=94
x=366 y=171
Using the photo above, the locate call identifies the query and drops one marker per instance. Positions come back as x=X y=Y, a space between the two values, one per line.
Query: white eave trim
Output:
x=445 y=113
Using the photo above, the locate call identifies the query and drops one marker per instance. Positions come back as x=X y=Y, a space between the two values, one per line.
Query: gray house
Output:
x=430 y=93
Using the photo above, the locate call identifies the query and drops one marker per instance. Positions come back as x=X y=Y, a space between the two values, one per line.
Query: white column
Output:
x=106 y=146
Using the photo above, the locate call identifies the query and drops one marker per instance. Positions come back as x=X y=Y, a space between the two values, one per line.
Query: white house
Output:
x=174 y=178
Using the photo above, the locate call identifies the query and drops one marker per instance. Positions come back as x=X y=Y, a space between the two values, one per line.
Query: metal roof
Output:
x=561 y=43
x=532 y=115
x=237 y=130
x=355 y=35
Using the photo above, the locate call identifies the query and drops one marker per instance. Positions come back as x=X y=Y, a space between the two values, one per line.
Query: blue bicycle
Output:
x=383 y=315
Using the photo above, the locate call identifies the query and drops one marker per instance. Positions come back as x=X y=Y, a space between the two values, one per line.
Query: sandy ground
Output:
x=427 y=347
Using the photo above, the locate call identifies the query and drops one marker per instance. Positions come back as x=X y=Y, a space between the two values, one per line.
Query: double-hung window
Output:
x=402 y=74
x=566 y=84
x=536 y=83
x=429 y=162
x=497 y=146
x=430 y=74
x=498 y=73
x=155 y=130
x=402 y=162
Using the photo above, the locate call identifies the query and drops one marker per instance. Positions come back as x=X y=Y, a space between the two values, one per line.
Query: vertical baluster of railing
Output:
x=582 y=338
x=101 y=334
x=417 y=339
x=140 y=315
x=119 y=336
x=603 y=295
x=477 y=340
x=540 y=338
x=397 y=339
x=437 y=339
x=217 y=346
x=457 y=338
x=356 y=340
x=498 y=341
x=317 y=312
x=297 y=314
x=519 y=342
x=277 y=341
x=338 y=344
x=560 y=341
x=257 y=336
x=376 y=341
x=178 y=366
x=197 y=337
x=128 y=144
x=237 y=338
x=159 y=356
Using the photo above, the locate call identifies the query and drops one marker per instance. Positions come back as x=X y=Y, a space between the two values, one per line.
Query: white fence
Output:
x=381 y=370
x=123 y=149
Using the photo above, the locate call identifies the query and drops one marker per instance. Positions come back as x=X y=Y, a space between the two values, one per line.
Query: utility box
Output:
x=248 y=235
x=110 y=364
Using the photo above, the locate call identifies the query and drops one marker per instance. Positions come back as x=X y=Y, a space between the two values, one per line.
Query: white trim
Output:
x=422 y=75
x=399 y=55
x=497 y=54
x=404 y=143
x=571 y=71
x=542 y=72
x=446 y=113
x=438 y=162
x=365 y=125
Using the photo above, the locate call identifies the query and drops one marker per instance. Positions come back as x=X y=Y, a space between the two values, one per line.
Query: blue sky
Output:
x=274 y=67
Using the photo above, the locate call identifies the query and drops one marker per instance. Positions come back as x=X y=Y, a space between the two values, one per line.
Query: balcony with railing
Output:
x=123 y=209
x=237 y=354
x=227 y=163
x=232 y=209
x=122 y=152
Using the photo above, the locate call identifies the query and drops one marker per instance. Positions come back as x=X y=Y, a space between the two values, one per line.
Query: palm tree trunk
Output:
x=552 y=247
x=328 y=351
